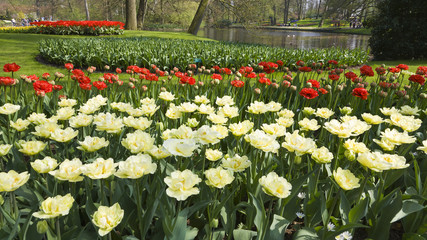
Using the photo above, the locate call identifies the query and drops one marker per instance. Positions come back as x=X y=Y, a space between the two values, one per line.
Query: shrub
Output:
x=398 y=30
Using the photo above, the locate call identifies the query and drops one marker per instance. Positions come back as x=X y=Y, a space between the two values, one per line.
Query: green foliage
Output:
x=79 y=30
x=398 y=30
x=170 y=53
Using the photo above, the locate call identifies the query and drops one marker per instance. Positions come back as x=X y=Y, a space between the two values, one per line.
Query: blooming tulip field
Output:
x=309 y=151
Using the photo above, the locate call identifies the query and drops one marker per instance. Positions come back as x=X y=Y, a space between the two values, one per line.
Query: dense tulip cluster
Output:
x=212 y=159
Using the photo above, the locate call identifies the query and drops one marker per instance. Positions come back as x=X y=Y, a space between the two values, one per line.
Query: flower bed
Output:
x=28 y=29
x=79 y=27
x=198 y=153
x=170 y=53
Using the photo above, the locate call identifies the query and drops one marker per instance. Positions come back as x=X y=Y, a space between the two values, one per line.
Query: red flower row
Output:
x=79 y=23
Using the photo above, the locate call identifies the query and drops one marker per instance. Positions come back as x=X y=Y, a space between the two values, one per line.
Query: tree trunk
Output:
x=323 y=14
x=318 y=9
x=286 y=12
x=131 y=15
x=198 y=17
x=87 y=10
x=300 y=3
x=142 y=10
x=38 y=8
x=71 y=8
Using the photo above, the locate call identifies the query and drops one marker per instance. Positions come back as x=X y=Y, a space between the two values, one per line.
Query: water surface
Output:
x=287 y=38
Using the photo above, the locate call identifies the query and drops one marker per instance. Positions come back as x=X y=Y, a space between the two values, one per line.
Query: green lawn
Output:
x=23 y=49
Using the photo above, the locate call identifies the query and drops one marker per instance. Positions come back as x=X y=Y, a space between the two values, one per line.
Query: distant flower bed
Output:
x=79 y=27
x=29 y=29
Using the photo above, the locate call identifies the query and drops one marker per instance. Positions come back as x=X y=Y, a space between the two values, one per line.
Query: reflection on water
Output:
x=287 y=38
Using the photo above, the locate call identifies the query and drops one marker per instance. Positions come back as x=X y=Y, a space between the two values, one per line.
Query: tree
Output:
x=286 y=11
x=131 y=15
x=198 y=17
x=398 y=30
x=87 y=10
x=142 y=11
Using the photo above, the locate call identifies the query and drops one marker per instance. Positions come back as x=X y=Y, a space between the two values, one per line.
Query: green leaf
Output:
x=277 y=228
x=383 y=223
x=306 y=234
x=408 y=206
x=243 y=234
x=358 y=211
x=260 y=213
x=344 y=208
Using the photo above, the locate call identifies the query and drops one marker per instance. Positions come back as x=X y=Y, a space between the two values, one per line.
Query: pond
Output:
x=287 y=38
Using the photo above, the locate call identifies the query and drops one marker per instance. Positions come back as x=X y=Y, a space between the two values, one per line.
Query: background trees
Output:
x=398 y=30
x=180 y=13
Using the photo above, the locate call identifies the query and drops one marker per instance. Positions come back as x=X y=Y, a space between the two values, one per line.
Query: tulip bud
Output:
x=374 y=84
x=406 y=97
x=175 y=69
x=286 y=84
x=201 y=83
x=340 y=87
x=169 y=78
x=238 y=74
x=106 y=67
x=16 y=81
x=208 y=71
x=159 y=126
x=383 y=77
x=51 y=82
x=395 y=85
x=163 y=81
x=401 y=93
x=297 y=160
x=275 y=85
x=349 y=155
x=346 y=110
x=383 y=65
x=42 y=227
x=392 y=78
x=196 y=87
x=192 y=122
x=162 y=89
x=216 y=81
x=383 y=94
x=407 y=87
x=293 y=88
x=323 y=78
x=199 y=70
x=257 y=91
x=423 y=95
x=309 y=85
x=144 y=88
x=214 y=223
x=131 y=85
